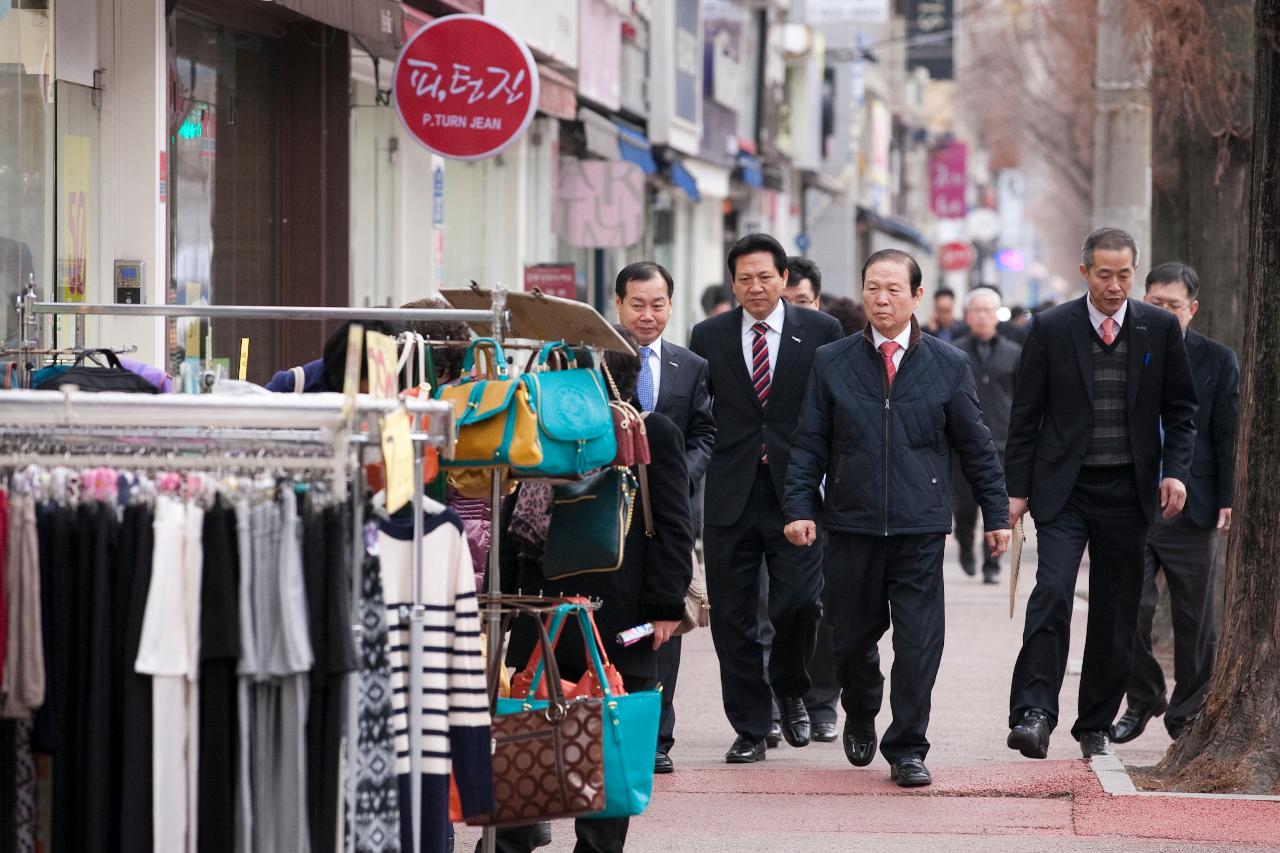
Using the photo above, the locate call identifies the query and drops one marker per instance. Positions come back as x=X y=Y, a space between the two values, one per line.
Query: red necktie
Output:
x=888 y=350
x=760 y=372
x=1108 y=331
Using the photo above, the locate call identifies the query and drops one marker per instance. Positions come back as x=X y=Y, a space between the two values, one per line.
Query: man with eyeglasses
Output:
x=804 y=283
x=1183 y=547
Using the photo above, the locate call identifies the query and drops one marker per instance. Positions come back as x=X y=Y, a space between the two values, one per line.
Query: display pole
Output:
x=489 y=840
x=416 y=629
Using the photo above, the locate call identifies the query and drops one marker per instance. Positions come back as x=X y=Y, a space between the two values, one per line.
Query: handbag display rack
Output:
x=493 y=313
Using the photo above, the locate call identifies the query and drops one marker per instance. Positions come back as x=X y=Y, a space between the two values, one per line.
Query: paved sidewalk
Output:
x=984 y=798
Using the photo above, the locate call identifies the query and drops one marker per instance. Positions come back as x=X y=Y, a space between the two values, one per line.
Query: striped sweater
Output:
x=455 y=722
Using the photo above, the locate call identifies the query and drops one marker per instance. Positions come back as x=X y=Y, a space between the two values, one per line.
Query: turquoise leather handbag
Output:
x=630 y=724
x=575 y=423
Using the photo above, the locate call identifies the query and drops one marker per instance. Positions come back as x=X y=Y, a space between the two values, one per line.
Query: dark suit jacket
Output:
x=1217 y=377
x=742 y=424
x=683 y=397
x=1053 y=404
x=993 y=372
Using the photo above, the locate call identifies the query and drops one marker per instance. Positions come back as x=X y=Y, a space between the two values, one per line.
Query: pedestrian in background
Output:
x=1183 y=548
x=850 y=314
x=1100 y=377
x=760 y=355
x=672 y=381
x=993 y=358
x=883 y=413
x=943 y=325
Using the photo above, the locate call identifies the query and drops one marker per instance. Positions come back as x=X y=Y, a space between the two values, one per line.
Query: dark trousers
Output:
x=1103 y=514
x=733 y=585
x=823 y=697
x=668 y=670
x=966 y=523
x=867 y=578
x=1184 y=553
x=594 y=836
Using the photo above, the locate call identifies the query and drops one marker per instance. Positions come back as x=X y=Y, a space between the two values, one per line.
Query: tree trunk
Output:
x=1235 y=743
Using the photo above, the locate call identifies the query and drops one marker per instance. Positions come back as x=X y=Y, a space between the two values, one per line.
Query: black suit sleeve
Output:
x=1030 y=389
x=669 y=554
x=1223 y=427
x=971 y=441
x=810 y=450
x=1177 y=406
x=700 y=432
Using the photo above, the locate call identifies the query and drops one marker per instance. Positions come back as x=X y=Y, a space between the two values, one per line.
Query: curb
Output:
x=1115 y=781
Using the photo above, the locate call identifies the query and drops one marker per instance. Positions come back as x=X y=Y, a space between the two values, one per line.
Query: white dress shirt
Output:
x=1096 y=317
x=903 y=339
x=655 y=366
x=773 y=337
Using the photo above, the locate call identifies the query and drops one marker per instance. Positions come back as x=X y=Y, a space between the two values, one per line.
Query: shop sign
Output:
x=947 y=181
x=465 y=87
x=599 y=203
x=930 y=40
x=552 y=279
x=956 y=256
x=821 y=12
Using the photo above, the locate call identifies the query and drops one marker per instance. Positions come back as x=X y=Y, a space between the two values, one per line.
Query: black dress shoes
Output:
x=910 y=772
x=795 y=721
x=774 y=737
x=662 y=763
x=1133 y=722
x=1095 y=743
x=745 y=751
x=859 y=742
x=1031 y=735
x=824 y=732
x=968 y=566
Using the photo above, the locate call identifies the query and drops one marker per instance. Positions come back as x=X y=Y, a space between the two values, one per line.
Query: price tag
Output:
x=244 y=359
x=351 y=379
x=381 y=352
x=397 y=458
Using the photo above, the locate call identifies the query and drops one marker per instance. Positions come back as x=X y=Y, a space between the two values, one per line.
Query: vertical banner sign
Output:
x=947 y=179
x=465 y=87
x=73 y=210
x=930 y=43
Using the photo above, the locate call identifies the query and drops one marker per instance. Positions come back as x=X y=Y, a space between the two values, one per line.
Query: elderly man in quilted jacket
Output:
x=883 y=413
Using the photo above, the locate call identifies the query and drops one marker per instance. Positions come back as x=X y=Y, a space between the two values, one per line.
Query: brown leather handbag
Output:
x=548 y=759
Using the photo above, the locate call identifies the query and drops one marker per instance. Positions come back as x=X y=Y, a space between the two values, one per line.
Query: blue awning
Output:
x=750 y=170
x=680 y=177
x=635 y=148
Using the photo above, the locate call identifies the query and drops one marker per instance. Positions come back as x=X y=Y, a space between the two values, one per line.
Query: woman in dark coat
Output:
x=649 y=587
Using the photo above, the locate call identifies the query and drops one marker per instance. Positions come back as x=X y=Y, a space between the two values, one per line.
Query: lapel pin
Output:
x=673 y=364
x=797 y=340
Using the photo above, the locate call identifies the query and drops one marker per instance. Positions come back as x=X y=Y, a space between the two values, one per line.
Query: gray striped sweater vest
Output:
x=1109 y=437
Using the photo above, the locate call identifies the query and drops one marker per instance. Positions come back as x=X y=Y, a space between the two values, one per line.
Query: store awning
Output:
x=635 y=148
x=750 y=171
x=557 y=94
x=376 y=23
x=713 y=180
x=680 y=177
x=895 y=226
x=601 y=134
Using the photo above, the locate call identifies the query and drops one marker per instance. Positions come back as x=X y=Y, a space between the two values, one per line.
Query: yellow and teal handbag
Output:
x=493 y=417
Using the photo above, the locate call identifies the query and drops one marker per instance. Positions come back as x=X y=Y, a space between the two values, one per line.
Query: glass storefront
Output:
x=26 y=157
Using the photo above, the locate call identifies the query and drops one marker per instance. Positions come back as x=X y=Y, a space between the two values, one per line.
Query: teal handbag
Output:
x=575 y=422
x=589 y=524
x=630 y=725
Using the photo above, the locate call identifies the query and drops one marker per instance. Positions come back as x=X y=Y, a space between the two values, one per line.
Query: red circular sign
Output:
x=955 y=256
x=465 y=87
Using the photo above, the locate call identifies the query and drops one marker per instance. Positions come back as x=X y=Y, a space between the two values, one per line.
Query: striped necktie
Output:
x=760 y=373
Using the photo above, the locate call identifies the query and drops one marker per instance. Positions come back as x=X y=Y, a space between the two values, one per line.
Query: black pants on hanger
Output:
x=133 y=582
x=219 y=708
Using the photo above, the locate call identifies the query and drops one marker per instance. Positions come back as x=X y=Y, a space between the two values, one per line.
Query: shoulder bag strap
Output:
x=645 y=505
x=299 y=379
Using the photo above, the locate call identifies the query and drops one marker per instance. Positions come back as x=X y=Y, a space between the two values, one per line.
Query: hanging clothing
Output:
x=374 y=807
x=134 y=720
x=24 y=669
x=169 y=652
x=101 y=816
x=455 y=722
x=327 y=557
x=219 y=652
